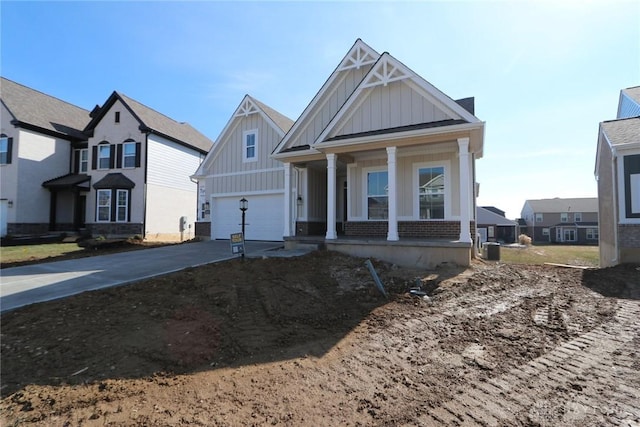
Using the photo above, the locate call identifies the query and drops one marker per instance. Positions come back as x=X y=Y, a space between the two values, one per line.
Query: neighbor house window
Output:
x=491 y=231
x=545 y=231
x=377 y=197
x=104 y=156
x=564 y=217
x=539 y=217
x=129 y=155
x=569 y=235
x=104 y=206
x=5 y=157
x=592 y=233
x=577 y=216
x=82 y=160
x=122 y=205
x=250 y=146
x=117 y=117
x=431 y=192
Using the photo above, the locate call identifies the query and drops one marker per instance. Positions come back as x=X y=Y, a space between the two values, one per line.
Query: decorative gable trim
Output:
x=358 y=56
x=247 y=107
x=387 y=70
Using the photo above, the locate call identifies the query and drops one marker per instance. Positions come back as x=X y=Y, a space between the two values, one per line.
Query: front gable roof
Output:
x=385 y=72
x=360 y=55
x=37 y=111
x=153 y=122
x=248 y=106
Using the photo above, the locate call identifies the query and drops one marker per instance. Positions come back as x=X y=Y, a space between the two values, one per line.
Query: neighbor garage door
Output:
x=264 y=219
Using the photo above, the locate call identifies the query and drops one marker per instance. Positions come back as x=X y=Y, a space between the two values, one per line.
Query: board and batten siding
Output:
x=332 y=100
x=230 y=174
x=394 y=105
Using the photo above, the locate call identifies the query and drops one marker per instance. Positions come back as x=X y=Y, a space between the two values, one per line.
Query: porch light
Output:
x=244 y=204
x=299 y=201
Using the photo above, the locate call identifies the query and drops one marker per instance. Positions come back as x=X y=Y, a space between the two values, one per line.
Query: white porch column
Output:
x=331 y=197
x=465 y=190
x=392 y=194
x=287 y=200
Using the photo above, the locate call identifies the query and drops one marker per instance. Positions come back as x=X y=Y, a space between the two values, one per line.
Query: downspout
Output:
x=144 y=192
x=616 y=223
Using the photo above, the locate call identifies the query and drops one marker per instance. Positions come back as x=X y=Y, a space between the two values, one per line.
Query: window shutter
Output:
x=112 y=156
x=76 y=161
x=9 y=150
x=138 y=149
x=94 y=157
x=119 y=156
x=114 y=203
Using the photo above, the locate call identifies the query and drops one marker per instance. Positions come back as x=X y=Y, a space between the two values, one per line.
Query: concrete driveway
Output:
x=20 y=286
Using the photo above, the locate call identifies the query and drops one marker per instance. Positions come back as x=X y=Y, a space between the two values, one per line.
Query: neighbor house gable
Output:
x=392 y=97
x=251 y=117
x=328 y=100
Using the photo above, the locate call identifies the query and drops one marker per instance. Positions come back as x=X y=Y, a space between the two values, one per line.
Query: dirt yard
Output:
x=311 y=342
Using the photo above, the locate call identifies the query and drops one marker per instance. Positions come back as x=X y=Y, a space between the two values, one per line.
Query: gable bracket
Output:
x=385 y=73
x=246 y=108
x=357 y=59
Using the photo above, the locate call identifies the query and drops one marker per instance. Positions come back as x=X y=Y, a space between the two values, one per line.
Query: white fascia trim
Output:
x=397 y=135
x=247 y=193
x=240 y=173
x=293 y=154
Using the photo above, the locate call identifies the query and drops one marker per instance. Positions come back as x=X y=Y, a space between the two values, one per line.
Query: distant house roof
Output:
x=633 y=93
x=622 y=131
x=486 y=217
x=586 y=204
x=154 y=122
x=494 y=210
x=37 y=111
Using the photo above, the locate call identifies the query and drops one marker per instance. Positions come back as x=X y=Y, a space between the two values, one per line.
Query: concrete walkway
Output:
x=20 y=286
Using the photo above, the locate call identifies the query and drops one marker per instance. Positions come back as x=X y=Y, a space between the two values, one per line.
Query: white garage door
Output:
x=264 y=220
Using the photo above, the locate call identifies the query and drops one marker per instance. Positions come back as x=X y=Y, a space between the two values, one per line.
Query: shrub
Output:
x=523 y=239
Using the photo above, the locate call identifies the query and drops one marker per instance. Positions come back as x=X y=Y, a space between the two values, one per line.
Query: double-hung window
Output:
x=431 y=192
x=539 y=217
x=5 y=150
x=82 y=160
x=122 y=205
x=564 y=217
x=129 y=155
x=377 y=195
x=578 y=216
x=104 y=206
x=104 y=156
x=250 y=145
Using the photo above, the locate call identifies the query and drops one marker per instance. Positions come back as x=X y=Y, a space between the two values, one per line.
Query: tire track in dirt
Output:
x=595 y=367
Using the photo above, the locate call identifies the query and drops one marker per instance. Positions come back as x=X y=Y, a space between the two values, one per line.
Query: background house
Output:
x=120 y=170
x=240 y=165
x=558 y=220
x=386 y=160
x=617 y=172
x=493 y=226
x=38 y=138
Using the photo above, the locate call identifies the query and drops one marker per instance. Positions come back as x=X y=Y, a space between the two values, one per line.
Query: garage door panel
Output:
x=264 y=218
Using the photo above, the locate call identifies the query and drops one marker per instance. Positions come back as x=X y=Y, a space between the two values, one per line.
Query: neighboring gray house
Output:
x=617 y=172
x=240 y=165
x=493 y=226
x=38 y=136
x=573 y=221
x=120 y=170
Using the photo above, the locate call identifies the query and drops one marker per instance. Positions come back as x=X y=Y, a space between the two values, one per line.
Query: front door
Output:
x=80 y=213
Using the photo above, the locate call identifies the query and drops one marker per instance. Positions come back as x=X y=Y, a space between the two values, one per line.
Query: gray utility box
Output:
x=491 y=251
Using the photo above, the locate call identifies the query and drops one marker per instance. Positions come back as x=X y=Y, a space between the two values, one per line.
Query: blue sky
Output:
x=544 y=74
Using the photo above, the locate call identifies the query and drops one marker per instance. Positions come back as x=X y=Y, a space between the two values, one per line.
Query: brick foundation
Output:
x=14 y=229
x=114 y=229
x=629 y=236
x=408 y=229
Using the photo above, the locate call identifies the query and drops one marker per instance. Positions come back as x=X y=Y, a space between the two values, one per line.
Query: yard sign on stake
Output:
x=237 y=243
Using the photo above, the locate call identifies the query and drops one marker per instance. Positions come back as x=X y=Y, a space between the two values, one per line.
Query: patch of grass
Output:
x=10 y=254
x=561 y=254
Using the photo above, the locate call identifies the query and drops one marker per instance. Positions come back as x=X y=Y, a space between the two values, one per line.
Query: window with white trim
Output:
x=250 y=146
x=129 y=155
x=377 y=195
x=104 y=156
x=592 y=234
x=122 y=205
x=103 y=210
x=82 y=160
x=564 y=217
x=577 y=216
x=4 y=151
x=539 y=217
x=431 y=192
x=545 y=231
